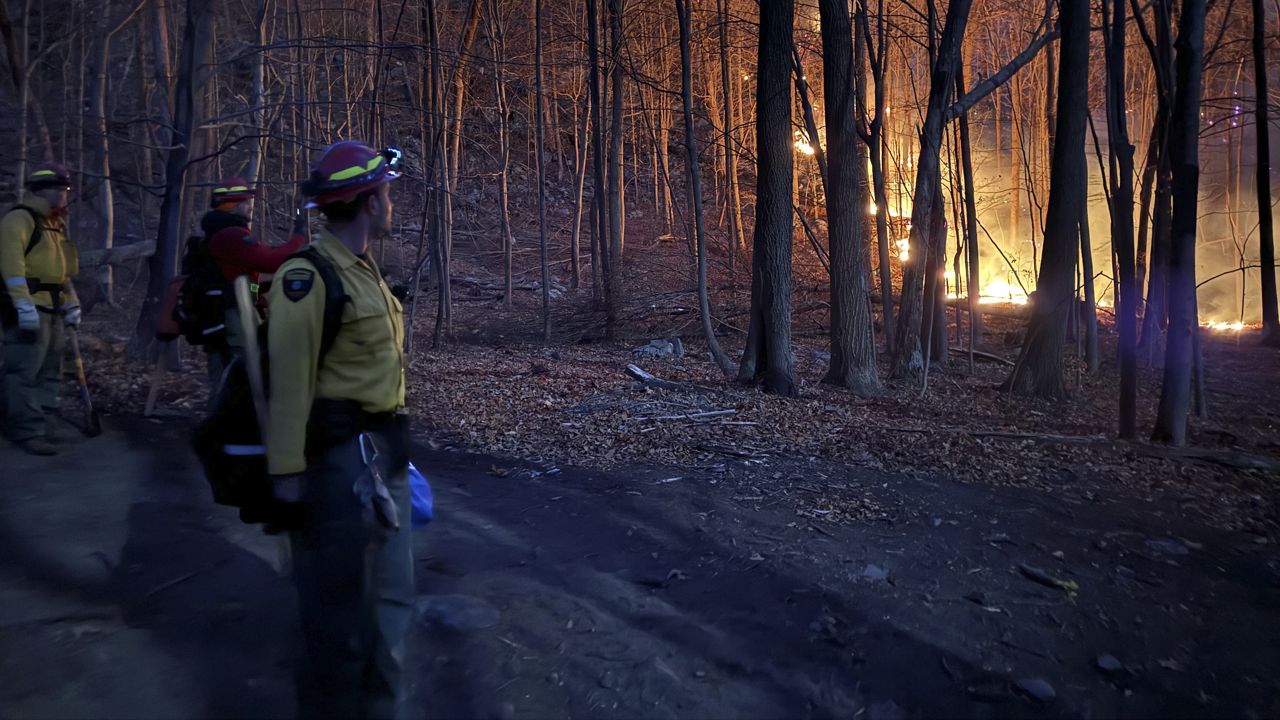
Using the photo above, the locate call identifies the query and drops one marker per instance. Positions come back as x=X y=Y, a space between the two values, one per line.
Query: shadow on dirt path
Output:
x=550 y=592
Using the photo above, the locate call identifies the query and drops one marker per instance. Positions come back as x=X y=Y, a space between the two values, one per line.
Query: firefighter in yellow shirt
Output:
x=337 y=442
x=36 y=264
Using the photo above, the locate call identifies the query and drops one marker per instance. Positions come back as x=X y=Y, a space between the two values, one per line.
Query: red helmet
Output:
x=232 y=190
x=49 y=174
x=348 y=168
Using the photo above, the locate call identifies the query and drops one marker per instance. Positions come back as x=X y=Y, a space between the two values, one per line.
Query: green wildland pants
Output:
x=355 y=595
x=32 y=376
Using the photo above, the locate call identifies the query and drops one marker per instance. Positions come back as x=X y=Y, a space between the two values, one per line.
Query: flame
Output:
x=904 y=248
x=1000 y=291
x=804 y=147
x=873 y=209
x=1220 y=326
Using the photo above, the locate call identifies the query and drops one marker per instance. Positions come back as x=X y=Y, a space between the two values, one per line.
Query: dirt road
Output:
x=654 y=592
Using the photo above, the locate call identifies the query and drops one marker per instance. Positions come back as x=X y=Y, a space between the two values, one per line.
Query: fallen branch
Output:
x=117 y=255
x=691 y=416
x=982 y=355
x=648 y=379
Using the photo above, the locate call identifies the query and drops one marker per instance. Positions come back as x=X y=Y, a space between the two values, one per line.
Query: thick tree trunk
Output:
x=767 y=356
x=853 y=357
x=695 y=187
x=197 y=37
x=907 y=360
x=1171 y=417
x=1039 y=369
x=1262 y=130
x=1122 y=220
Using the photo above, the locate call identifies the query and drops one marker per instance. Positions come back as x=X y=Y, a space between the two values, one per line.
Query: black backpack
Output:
x=229 y=441
x=201 y=310
x=10 y=315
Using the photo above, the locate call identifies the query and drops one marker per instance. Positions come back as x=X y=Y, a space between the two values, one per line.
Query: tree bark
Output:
x=600 y=232
x=974 y=276
x=767 y=356
x=907 y=360
x=733 y=195
x=197 y=37
x=1262 y=130
x=1171 y=416
x=876 y=52
x=853 y=359
x=1122 y=220
x=695 y=187
x=542 y=172
x=616 y=129
x=1039 y=369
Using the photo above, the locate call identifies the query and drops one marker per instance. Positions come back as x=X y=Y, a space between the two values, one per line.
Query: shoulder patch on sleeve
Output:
x=297 y=283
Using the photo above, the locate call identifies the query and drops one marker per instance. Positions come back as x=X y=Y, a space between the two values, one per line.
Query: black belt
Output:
x=35 y=285
x=334 y=422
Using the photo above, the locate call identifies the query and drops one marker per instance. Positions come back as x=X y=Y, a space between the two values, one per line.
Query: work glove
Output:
x=71 y=315
x=28 y=316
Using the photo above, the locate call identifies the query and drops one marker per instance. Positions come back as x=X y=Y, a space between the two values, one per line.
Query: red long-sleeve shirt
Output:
x=239 y=252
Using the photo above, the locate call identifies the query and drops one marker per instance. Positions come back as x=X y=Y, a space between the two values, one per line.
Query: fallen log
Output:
x=649 y=380
x=117 y=255
x=982 y=355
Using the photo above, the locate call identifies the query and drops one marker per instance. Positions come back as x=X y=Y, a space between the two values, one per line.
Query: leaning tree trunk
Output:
x=1122 y=221
x=767 y=356
x=1039 y=369
x=853 y=356
x=197 y=37
x=1266 y=237
x=1171 y=417
x=907 y=360
x=695 y=187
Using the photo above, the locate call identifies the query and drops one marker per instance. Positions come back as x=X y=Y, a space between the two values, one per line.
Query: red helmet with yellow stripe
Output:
x=347 y=169
x=231 y=190
x=49 y=174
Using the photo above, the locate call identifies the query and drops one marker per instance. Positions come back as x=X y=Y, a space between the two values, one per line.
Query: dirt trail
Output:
x=568 y=593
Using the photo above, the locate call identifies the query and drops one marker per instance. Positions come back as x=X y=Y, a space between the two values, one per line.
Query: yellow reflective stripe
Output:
x=42 y=173
x=237 y=188
x=355 y=170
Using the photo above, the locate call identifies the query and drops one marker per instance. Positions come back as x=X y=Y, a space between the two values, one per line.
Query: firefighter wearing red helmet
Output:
x=36 y=264
x=337 y=442
x=238 y=251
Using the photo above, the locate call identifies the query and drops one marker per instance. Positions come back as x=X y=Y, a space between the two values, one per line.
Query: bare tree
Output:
x=1039 y=369
x=197 y=36
x=1262 y=130
x=542 y=171
x=616 y=129
x=1122 y=215
x=1184 y=158
x=695 y=187
x=853 y=357
x=907 y=359
x=767 y=356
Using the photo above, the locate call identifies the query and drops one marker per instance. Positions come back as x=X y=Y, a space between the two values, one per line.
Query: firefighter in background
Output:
x=237 y=251
x=37 y=264
x=337 y=443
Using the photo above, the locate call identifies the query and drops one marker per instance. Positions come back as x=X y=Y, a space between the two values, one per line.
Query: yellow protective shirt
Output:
x=366 y=363
x=53 y=260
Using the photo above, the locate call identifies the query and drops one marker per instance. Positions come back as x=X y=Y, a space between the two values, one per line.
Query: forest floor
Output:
x=609 y=548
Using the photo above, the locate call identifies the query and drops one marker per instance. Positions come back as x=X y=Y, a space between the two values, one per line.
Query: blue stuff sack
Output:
x=420 y=498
